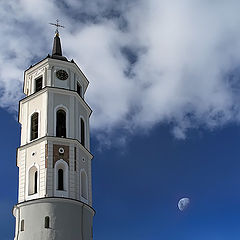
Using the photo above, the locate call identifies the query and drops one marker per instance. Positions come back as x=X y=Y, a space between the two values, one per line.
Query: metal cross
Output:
x=57 y=25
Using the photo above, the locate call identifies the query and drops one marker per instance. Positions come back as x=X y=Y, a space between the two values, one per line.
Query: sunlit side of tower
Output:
x=54 y=159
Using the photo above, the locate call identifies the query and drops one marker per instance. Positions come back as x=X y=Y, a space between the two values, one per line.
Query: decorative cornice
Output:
x=54 y=199
x=59 y=140
x=59 y=90
x=53 y=62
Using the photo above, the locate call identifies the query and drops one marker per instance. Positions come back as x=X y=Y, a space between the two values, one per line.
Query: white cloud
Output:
x=185 y=50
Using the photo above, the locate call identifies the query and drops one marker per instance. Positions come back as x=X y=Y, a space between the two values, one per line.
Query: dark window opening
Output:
x=60 y=179
x=79 y=89
x=82 y=133
x=75 y=159
x=47 y=222
x=34 y=126
x=38 y=86
x=61 y=124
x=22 y=226
x=35 y=182
x=75 y=165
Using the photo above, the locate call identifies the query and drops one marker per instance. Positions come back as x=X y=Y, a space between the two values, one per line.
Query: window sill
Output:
x=32 y=196
x=61 y=193
x=33 y=140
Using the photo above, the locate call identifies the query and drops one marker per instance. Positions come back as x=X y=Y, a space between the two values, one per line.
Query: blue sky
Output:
x=164 y=89
x=136 y=188
x=139 y=189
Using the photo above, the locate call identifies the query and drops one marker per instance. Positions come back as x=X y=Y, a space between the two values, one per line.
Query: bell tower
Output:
x=54 y=159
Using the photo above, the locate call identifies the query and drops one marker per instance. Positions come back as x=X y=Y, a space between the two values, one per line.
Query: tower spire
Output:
x=57 y=49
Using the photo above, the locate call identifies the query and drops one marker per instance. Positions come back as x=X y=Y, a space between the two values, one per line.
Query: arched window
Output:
x=84 y=187
x=61 y=123
x=33 y=181
x=34 y=126
x=22 y=225
x=61 y=186
x=82 y=132
x=47 y=222
x=60 y=179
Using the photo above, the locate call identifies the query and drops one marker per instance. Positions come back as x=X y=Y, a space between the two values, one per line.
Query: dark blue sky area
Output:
x=136 y=188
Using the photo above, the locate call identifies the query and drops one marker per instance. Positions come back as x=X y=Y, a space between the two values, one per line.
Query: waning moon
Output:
x=183 y=203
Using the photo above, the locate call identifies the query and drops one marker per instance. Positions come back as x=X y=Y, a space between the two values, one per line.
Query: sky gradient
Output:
x=136 y=188
x=165 y=93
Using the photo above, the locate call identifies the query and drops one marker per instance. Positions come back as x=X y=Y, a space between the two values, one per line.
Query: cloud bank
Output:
x=148 y=62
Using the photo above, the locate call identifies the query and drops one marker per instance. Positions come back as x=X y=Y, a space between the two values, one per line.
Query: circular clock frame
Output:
x=61 y=150
x=62 y=75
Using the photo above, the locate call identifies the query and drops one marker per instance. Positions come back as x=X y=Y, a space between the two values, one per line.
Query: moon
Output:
x=183 y=204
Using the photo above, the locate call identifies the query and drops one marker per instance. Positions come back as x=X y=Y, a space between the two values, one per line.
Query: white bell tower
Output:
x=54 y=159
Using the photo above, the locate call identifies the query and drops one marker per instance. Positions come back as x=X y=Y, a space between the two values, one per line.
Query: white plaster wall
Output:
x=69 y=220
x=84 y=163
x=72 y=182
x=33 y=155
x=27 y=108
x=61 y=83
x=47 y=68
x=22 y=170
x=43 y=170
x=50 y=171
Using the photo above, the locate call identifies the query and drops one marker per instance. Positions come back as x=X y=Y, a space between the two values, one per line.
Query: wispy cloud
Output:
x=147 y=61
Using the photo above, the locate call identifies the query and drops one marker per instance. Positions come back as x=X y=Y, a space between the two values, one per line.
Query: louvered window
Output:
x=38 y=86
x=61 y=124
x=82 y=132
x=34 y=126
x=60 y=179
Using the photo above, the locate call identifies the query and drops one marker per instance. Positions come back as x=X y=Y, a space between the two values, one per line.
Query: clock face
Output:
x=61 y=74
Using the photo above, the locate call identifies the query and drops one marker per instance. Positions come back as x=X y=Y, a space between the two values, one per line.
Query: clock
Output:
x=61 y=74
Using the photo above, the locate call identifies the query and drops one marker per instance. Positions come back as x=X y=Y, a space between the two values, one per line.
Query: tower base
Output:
x=53 y=219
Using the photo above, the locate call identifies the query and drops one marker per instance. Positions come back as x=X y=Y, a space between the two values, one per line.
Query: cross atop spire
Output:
x=57 y=25
x=57 y=49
